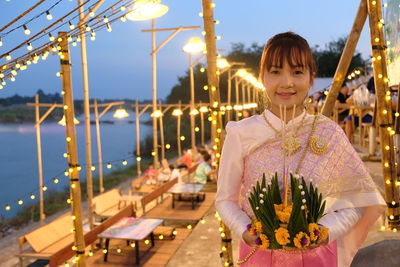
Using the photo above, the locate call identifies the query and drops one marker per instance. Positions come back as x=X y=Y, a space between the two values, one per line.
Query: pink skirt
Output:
x=323 y=256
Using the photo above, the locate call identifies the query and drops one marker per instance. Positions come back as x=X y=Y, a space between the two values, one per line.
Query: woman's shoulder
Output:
x=244 y=124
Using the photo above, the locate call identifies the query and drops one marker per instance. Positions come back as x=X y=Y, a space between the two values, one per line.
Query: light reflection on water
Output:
x=18 y=155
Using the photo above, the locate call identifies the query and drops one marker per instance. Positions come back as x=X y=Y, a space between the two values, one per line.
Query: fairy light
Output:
x=48 y=15
x=124 y=162
x=73 y=186
x=175 y=232
x=153 y=153
x=44 y=188
x=146 y=241
x=123 y=18
x=71 y=25
x=109 y=166
x=8 y=207
x=167 y=146
x=119 y=250
x=26 y=30
x=8 y=57
x=12 y=79
x=133 y=245
x=69 y=39
x=87 y=28
x=29 y=46
x=373 y=3
x=32 y=196
x=90 y=253
x=14 y=72
x=105 y=20
x=69 y=201
x=109 y=29
x=20 y=202
x=104 y=251
x=93 y=168
x=91 y=13
x=138 y=159
x=201 y=14
x=183 y=138
x=189 y=227
x=55 y=180
x=123 y=8
x=161 y=237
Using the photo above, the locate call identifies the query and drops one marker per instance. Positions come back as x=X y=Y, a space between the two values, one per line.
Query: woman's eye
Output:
x=298 y=72
x=274 y=71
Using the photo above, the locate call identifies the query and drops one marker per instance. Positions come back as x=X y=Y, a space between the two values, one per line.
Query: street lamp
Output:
x=151 y=9
x=178 y=113
x=120 y=113
x=194 y=45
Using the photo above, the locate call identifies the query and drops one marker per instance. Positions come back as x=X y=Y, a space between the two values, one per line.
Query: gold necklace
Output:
x=291 y=145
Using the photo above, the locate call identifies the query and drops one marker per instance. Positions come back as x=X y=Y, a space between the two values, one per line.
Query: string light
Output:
x=109 y=29
x=1 y=41
x=48 y=15
x=8 y=57
x=44 y=188
x=105 y=20
x=29 y=46
x=26 y=30
x=87 y=28
x=71 y=25
x=33 y=196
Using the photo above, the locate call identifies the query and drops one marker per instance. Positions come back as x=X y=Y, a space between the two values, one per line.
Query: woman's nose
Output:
x=287 y=80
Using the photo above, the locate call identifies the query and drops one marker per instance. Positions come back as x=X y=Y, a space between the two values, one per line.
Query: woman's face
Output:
x=287 y=86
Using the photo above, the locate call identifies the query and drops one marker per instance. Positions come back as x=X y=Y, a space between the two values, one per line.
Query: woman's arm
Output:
x=229 y=183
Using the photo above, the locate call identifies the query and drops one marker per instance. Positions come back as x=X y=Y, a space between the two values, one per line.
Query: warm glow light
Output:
x=222 y=63
x=241 y=72
x=194 y=112
x=194 y=45
x=146 y=9
x=63 y=123
x=177 y=112
x=156 y=113
x=120 y=113
x=203 y=109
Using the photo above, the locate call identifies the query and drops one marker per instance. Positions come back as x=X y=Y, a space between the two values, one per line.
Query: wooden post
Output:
x=229 y=94
x=99 y=151
x=202 y=125
x=139 y=171
x=216 y=127
x=192 y=107
x=39 y=158
x=237 y=96
x=345 y=59
x=154 y=82
x=384 y=112
x=72 y=150
x=178 y=132
x=162 y=133
x=86 y=105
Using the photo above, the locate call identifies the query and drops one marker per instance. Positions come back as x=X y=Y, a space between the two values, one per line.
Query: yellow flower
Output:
x=301 y=240
x=279 y=207
x=264 y=240
x=258 y=226
x=252 y=230
x=283 y=216
x=282 y=236
x=314 y=230
x=324 y=233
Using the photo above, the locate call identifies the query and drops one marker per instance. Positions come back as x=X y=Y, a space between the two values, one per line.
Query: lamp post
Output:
x=194 y=45
x=145 y=10
x=97 y=119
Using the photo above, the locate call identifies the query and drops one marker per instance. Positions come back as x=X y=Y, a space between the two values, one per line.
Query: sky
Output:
x=119 y=62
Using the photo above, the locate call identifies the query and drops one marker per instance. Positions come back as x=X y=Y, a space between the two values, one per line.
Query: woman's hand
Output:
x=249 y=239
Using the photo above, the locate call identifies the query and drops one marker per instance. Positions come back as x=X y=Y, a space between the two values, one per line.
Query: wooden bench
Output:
x=53 y=241
x=107 y=204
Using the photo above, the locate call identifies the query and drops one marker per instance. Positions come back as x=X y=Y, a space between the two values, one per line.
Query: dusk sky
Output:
x=120 y=63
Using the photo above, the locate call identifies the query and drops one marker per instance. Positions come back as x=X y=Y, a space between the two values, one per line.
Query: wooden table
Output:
x=130 y=228
x=189 y=189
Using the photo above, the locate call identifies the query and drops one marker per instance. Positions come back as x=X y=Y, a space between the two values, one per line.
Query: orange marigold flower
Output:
x=324 y=233
x=264 y=240
x=301 y=240
x=279 y=207
x=282 y=236
x=314 y=230
x=258 y=226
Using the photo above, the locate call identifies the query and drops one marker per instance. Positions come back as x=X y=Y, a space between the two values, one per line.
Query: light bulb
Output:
x=91 y=13
x=29 y=46
x=105 y=19
x=8 y=57
x=109 y=29
x=14 y=72
x=123 y=18
x=26 y=30
x=71 y=25
x=48 y=15
x=51 y=37
x=87 y=28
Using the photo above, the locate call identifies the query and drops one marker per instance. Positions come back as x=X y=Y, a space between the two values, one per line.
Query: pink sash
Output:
x=323 y=256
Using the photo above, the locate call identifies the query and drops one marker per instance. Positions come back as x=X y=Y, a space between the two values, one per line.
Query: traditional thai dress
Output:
x=252 y=148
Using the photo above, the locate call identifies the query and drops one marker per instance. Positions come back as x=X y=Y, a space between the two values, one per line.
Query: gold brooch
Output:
x=291 y=145
x=318 y=145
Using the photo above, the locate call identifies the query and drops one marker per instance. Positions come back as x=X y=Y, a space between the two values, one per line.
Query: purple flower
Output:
x=249 y=227
x=254 y=231
x=258 y=241
x=304 y=241
x=316 y=232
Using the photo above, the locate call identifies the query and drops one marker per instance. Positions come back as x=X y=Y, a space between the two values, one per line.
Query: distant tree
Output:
x=327 y=59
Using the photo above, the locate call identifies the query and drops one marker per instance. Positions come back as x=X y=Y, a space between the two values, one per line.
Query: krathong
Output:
x=280 y=225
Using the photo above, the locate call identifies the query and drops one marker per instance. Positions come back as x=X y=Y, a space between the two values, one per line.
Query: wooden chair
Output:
x=107 y=204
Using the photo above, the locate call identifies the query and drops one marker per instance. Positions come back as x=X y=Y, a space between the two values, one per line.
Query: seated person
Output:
x=175 y=173
x=203 y=170
x=349 y=129
x=341 y=99
x=185 y=161
x=150 y=173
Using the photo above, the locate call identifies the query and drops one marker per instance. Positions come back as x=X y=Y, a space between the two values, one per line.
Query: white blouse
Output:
x=241 y=138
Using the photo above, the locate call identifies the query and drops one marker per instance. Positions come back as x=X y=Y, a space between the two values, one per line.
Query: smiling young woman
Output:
x=287 y=70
